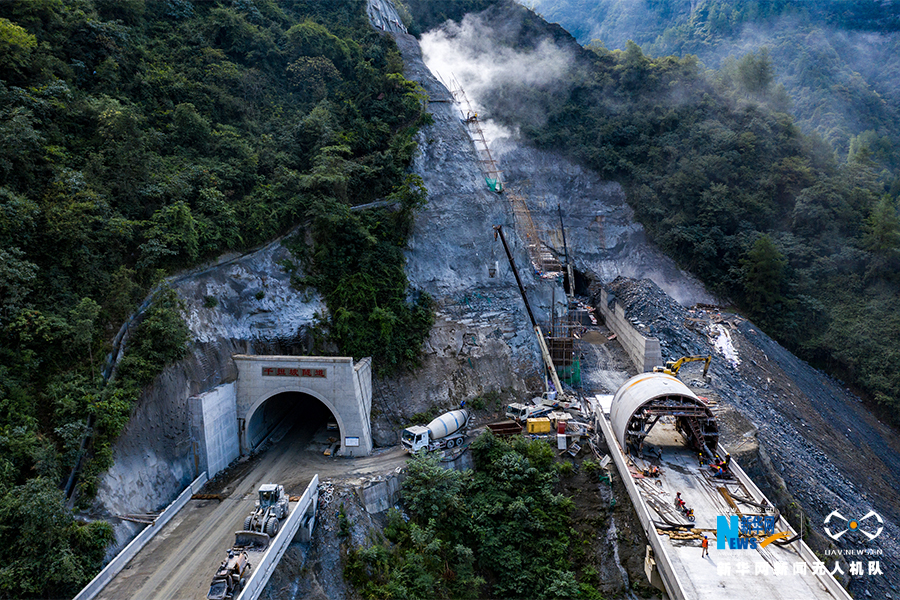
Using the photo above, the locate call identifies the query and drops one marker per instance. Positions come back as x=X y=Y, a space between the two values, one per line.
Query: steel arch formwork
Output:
x=645 y=398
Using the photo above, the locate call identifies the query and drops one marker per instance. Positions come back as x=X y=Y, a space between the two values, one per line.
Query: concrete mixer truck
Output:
x=447 y=431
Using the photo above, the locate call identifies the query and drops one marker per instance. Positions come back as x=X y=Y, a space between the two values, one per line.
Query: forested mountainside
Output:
x=140 y=138
x=839 y=62
x=802 y=236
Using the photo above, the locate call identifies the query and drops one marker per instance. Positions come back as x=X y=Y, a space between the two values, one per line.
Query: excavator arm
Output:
x=672 y=367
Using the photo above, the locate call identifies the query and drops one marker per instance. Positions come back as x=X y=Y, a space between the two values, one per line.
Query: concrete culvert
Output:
x=301 y=414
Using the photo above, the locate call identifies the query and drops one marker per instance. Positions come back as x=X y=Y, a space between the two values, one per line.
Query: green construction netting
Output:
x=494 y=184
x=570 y=374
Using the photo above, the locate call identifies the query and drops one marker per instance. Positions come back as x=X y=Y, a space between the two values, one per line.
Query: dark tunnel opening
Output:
x=300 y=414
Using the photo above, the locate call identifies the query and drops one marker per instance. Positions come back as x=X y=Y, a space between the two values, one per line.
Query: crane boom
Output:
x=542 y=343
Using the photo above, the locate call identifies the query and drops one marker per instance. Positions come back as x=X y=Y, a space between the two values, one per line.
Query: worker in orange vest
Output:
x=705 y=545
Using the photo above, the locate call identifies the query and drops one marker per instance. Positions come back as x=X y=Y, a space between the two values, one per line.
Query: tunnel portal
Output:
x=234 y=419
x=285 y=411
x=306 y=390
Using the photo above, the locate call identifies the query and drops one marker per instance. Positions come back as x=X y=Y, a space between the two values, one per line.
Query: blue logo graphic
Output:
x=730 y=529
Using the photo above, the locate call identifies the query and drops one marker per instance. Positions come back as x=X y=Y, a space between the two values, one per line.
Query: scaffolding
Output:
x=544 y=260
x=493 y=176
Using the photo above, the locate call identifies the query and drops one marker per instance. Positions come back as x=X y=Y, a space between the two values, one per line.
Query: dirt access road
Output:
x=181 y=559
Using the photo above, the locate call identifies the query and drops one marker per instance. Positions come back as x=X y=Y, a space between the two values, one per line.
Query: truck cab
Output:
x=415 y=438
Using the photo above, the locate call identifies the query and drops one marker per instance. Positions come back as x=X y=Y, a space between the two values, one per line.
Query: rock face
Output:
x=242 y=305
x=497 y=57
x=601 y=236
x=452 y=248
x=249 y=298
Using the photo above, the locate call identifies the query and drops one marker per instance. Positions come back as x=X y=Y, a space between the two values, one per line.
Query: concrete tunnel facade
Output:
x=233 y=419
x=343 y=387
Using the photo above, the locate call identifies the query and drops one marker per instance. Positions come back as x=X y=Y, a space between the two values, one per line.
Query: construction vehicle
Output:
x=230 y=577
x=555 y=397
x=446 y=431
x=522 y=412
x=263 y=523
x=672 y=366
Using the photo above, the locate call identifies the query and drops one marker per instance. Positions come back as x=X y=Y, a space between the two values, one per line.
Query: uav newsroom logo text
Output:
x=870 y=526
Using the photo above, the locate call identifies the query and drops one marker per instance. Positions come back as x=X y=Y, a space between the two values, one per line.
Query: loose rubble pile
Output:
x=681 y=331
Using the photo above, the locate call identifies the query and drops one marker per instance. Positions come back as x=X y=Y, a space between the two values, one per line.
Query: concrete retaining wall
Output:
x=128 y=552
x=644 y=351
x=300 y=522
x=378 y=496
x=670 y=579
x=828 y=580
x=214 y=428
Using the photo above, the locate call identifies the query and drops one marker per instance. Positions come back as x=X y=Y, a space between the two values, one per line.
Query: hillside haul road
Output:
x=180 y=561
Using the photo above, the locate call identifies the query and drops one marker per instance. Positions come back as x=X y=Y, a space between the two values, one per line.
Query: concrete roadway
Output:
x=763 y=573
x=179 y=562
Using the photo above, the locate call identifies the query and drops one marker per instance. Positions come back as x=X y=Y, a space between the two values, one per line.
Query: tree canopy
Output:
x=138 y=139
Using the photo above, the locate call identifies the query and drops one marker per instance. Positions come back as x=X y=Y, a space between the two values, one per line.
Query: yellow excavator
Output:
x=672 y=366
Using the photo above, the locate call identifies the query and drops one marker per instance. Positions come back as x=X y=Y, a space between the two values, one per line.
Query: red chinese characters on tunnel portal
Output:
x=291 y=372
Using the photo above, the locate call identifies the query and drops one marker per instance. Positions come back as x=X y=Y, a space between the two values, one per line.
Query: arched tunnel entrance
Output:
x=305 y=392
x=648 y=397
x=300 y=414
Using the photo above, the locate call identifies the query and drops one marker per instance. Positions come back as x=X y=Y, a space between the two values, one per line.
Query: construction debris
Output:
x=505 y=428
x=681 y=534
x=326 y=493
x=144 y=518
x=218 y=497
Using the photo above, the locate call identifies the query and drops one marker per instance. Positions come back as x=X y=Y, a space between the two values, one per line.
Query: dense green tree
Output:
x=764 y=268
x=54 y=555
x=882 y=227
x=499 y=531
x=137 y=138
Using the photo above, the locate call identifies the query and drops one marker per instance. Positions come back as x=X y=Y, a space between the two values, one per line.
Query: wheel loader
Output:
x=264 y=522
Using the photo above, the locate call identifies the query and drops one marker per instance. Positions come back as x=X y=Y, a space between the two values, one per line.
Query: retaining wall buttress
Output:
x=214 y=428
x=644 y=351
